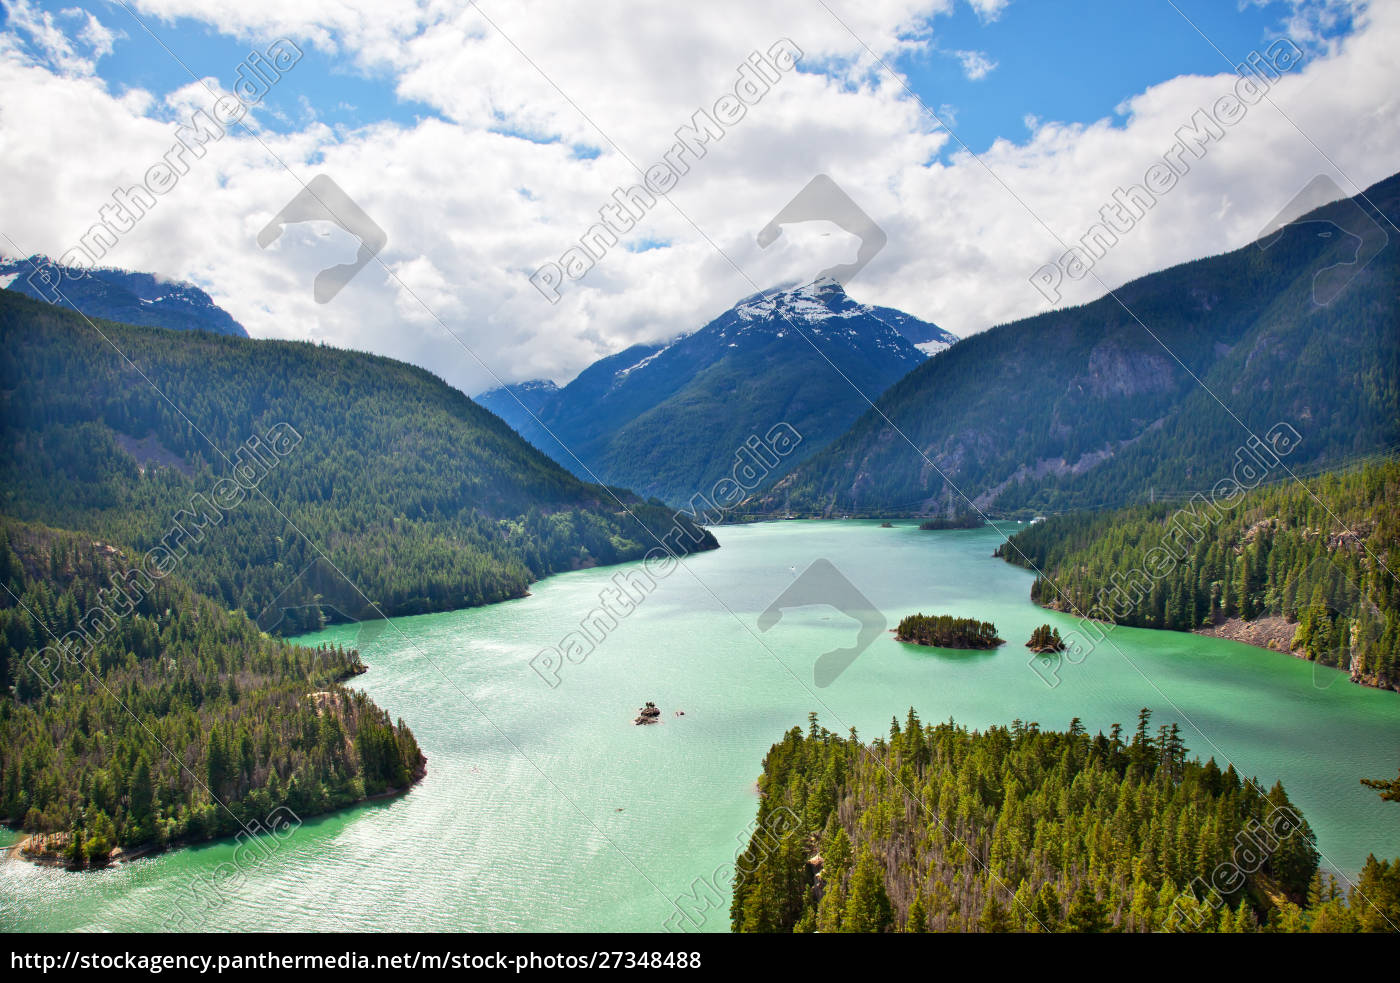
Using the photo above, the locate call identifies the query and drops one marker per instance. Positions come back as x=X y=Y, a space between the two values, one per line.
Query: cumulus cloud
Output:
x=1316 y=24
x=989 y=10
x=975 y=64
x=490 y=185
x=72 y=48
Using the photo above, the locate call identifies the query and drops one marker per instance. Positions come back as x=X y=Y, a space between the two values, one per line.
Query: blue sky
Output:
x=1069 y=61
x=325 y=87
x=1075 y=61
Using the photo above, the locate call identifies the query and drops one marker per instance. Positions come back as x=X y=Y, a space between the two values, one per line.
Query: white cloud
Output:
x=989 y=10
x=99 y=38
x=470 y=210
x=975 y=64
x=1314 y=24
x=60 y=48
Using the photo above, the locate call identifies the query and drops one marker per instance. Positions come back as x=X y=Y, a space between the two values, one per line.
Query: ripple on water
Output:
x=516 y=825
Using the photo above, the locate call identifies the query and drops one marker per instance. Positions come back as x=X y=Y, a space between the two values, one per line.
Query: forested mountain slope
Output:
x=368 y=485
x=667 y=420
x=170 y=719
x=1083 y=407
x=1322 y=555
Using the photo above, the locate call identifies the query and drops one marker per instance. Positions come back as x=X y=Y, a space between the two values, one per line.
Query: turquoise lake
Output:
x=547 y=809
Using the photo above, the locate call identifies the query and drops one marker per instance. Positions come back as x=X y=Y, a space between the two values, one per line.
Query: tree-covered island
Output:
x=946 y=632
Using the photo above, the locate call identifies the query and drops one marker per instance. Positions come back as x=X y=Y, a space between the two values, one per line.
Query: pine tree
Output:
x=917 y=919
x=1086 y=912
x=1047 y=908
x=868 y=905
x=1389 y=791
x=994 y=917
x=140 y=801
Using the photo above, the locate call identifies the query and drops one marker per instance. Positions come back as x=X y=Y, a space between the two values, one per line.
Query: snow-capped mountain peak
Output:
x=807 y=306
x=124 y=295
x=816 y=301
x=665 y=419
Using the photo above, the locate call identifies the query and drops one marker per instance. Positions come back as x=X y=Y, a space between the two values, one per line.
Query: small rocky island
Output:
x=649 y=714
x=1046 y=639
x=946 y=632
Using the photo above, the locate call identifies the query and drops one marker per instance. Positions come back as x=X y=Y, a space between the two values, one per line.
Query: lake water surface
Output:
x=546 y=809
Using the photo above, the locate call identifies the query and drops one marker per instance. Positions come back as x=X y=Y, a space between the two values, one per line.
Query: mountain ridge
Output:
x=397 y=495
x=123 y=295
x=1081 y=407
x=667 y=419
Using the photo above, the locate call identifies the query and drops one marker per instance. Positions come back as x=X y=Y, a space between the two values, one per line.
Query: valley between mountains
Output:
x=226 y=558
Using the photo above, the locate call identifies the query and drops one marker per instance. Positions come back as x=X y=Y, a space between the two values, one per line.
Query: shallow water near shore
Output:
x=546 y=809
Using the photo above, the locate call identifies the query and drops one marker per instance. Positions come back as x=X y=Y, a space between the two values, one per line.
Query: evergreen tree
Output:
x=145 y=742
x=868 y=905
x=1277 y=552
x=994 y=917
x=917 y=919
x=1097 y=836
x=1086 y=912
x=1389 y=791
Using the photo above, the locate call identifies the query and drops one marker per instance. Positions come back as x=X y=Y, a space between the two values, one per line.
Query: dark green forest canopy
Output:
x=398 y=494
x=1093 y=406
x=1324 y=554
x=941 y=828
x=177 y=720
x=946 y=631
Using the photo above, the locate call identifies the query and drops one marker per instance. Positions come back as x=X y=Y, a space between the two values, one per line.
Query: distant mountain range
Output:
x=1111 y=403
x=131 y=298
x=1142 y=395
x=667 y=420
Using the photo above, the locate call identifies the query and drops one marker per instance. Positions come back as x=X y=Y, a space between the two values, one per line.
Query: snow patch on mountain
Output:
x=819 y=300
x=818 y=307
x=624 y=373
x=123 y=295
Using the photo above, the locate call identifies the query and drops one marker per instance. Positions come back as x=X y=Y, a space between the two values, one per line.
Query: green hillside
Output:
x=381 y=489
x=173 y=720
x=938 y=828
x=1321 y=555
x=1084 y=408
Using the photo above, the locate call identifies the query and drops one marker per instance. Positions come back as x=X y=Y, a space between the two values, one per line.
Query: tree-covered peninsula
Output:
x=138 y=714
x=1307 y=567
x=1014 y=829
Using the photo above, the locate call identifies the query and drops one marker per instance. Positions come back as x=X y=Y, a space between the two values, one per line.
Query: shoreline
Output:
x=947 y=648
x=951 y=648
x=1274 y=633
x=1270 y=633
x=18 y=850
x=526 y=592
